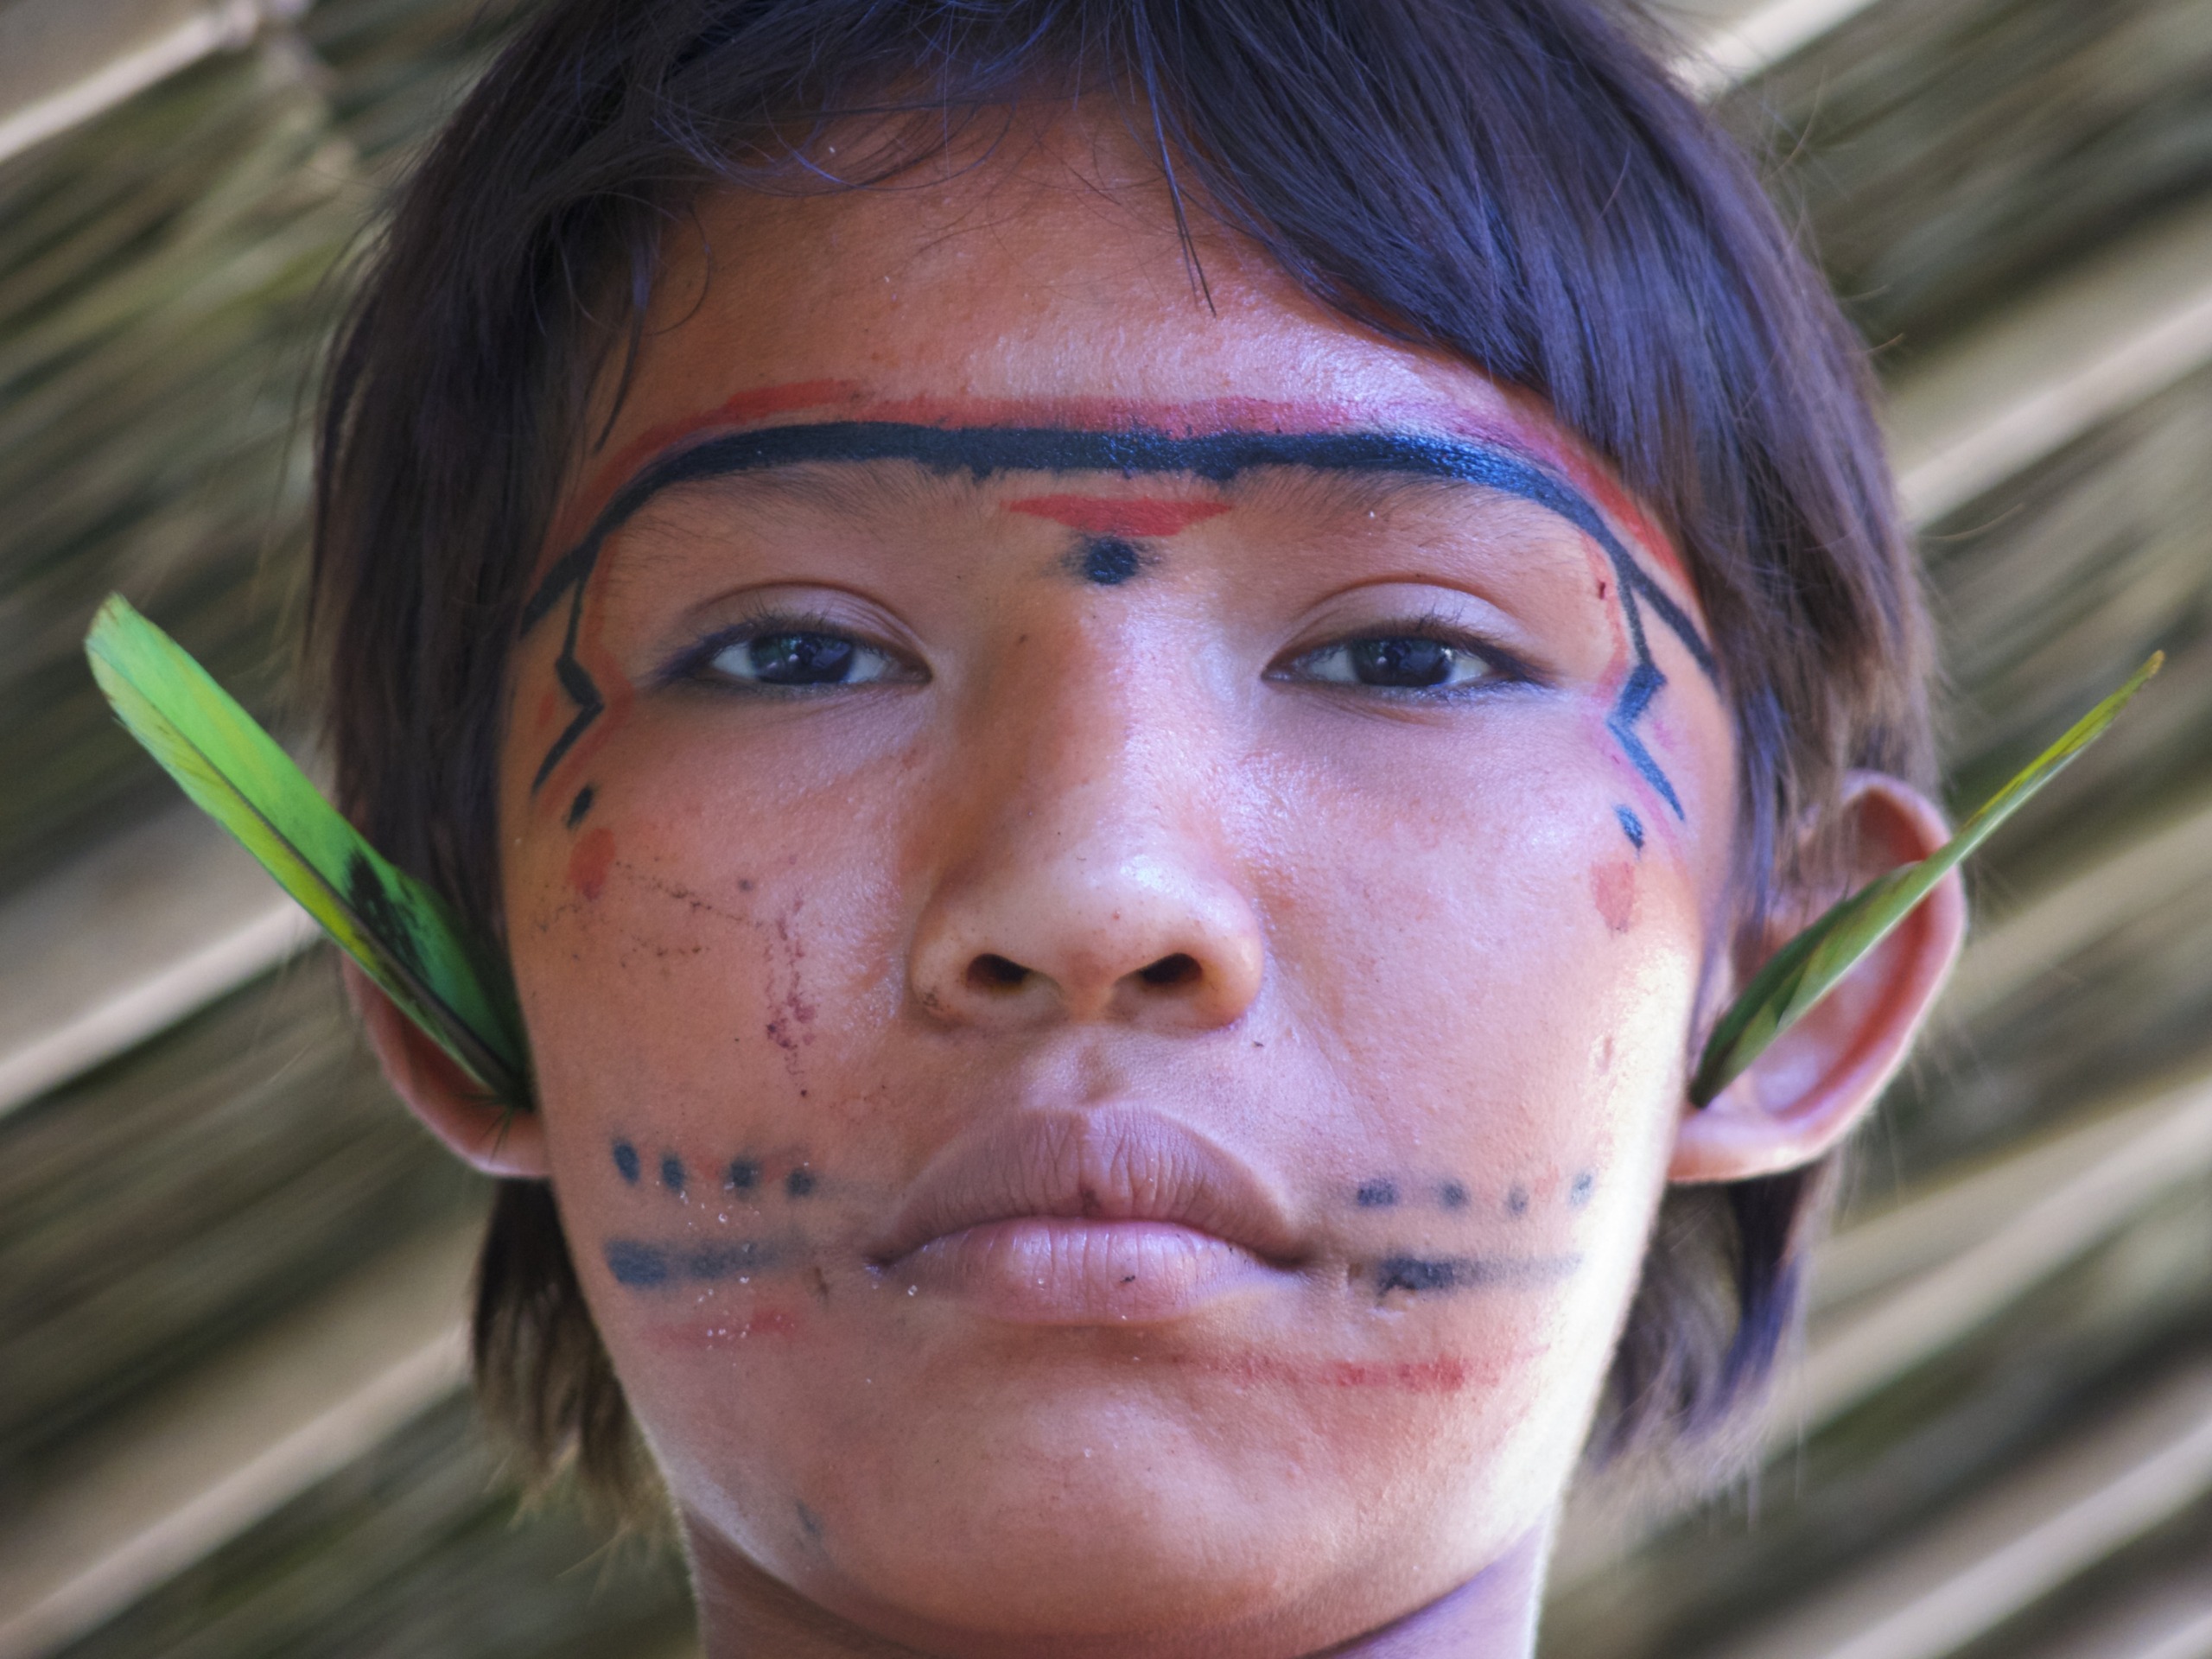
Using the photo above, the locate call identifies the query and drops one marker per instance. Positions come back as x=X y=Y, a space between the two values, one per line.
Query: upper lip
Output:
x=1103 y=1163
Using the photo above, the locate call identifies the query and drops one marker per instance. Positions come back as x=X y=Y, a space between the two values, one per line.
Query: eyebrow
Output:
x=982 y=452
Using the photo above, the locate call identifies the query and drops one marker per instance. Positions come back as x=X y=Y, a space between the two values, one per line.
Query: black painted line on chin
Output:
x=983 y=451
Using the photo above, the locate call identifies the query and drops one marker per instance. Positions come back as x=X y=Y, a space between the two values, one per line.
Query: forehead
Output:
x=1054 y=270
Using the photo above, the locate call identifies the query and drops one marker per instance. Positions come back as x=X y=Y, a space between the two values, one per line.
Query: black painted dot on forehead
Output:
x=1109 y=561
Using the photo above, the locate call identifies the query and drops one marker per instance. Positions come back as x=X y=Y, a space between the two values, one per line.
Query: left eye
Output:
x=1395 y=663
x=801 y=660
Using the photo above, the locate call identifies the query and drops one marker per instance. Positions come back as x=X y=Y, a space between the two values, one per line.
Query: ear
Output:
x=496 y=1139
x=1817 y=1079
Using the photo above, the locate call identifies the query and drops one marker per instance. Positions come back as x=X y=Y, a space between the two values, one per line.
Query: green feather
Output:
x=1807 y=969
x=401 y=933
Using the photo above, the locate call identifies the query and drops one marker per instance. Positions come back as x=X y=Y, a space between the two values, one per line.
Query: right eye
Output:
x=799 y=659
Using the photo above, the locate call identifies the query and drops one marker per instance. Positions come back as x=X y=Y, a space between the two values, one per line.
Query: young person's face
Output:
x=1111 y=886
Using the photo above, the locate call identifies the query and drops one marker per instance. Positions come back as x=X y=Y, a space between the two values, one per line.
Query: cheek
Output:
x=680 y=948
x=1504 y=981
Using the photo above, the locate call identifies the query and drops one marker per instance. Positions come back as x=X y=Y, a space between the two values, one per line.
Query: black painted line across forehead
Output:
x=983 y=451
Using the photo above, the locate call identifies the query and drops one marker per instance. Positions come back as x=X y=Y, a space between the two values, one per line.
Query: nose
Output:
x=1091 y=882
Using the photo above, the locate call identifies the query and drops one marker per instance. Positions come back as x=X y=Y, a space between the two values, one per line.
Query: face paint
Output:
x=1217 y=457
x=589 y=864
x=1109 y=561
x=1612 y=886
x=1428 y=1274
x=641 y=1265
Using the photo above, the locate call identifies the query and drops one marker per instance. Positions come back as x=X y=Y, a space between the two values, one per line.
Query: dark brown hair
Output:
x=1516 y=181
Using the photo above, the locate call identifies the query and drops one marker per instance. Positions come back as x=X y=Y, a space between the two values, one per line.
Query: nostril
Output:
x=996 y=973
x=1169 y=972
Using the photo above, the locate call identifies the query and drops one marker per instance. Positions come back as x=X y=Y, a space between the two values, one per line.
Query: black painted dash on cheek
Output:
x=1377 y=1195
x=1434 y=1273
x=1108 y=560
x=648 y=1267
x=582 y=805
x=1631 y=826
x=626 y=1161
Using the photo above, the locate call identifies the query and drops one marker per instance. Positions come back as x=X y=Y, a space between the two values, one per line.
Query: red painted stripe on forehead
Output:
x=1108 y=515
x=1198 y=418
x=1537 y=438
x=1521 y=430
x=757 y=404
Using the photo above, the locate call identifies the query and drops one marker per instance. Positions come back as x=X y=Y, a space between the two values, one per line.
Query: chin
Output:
x=1097 y=1525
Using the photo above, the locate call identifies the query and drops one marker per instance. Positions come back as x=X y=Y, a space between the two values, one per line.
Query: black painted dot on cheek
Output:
x=582 y=805
x=626 y=1161
x=671 y=1172
x=1578 y=1193
x=1454 y=1195
x=1517 y=1201
x=743 y=1174
x=799 y=1183
x=1109 y=561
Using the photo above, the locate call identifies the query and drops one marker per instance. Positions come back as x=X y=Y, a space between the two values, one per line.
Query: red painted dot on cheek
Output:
x=588 y=863
x=1613 y=885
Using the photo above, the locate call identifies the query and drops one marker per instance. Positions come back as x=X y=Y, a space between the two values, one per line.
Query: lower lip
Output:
x=1056 y=1270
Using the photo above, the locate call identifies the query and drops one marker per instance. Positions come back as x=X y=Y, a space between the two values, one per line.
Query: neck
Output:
x=744 y=1612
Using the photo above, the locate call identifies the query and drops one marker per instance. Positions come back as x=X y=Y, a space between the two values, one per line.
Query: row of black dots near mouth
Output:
x=1516 y=1201
x=739 y=1175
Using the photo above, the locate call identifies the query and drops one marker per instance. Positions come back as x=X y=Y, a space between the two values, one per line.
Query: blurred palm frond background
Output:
x=232 y=1419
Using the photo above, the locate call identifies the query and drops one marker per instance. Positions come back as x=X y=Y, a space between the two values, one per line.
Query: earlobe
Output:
x=493 y=1138
x=1815 y=1082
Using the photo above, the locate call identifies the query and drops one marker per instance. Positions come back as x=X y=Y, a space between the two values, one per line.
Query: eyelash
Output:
x=695 y=663
x=1506 y=669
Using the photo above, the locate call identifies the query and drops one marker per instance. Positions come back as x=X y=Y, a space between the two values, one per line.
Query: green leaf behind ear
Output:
x=1805 y=969
x=399 y=932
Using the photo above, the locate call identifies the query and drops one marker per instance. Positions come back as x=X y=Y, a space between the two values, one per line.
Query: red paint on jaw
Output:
x=588 y=863
x=1613 y=885
x=1106 y=515
x=1439 y=1374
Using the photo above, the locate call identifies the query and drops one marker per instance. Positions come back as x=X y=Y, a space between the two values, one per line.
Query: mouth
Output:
x=1112 y=1215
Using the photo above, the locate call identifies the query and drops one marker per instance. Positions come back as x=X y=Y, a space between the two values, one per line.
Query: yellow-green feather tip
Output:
x=400 y=932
